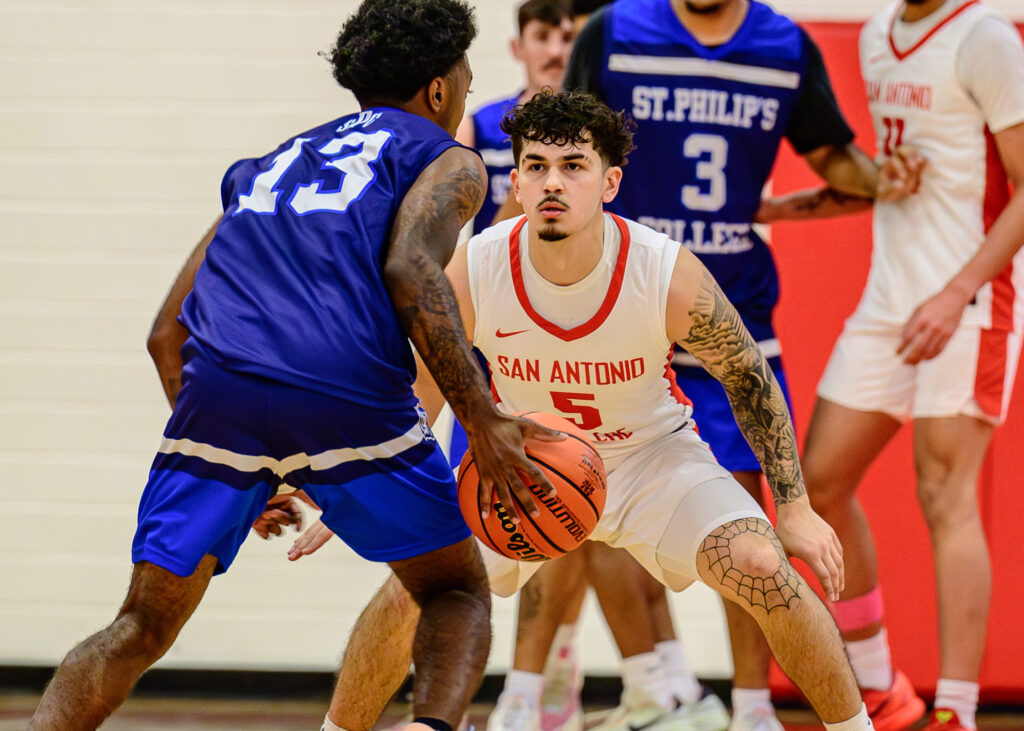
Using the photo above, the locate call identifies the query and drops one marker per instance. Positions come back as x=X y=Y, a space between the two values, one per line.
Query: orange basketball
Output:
x=575 y=469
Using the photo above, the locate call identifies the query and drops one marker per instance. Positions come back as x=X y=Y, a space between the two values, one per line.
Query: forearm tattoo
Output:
x=779 y=590
x=425 y=300
x=720 y=341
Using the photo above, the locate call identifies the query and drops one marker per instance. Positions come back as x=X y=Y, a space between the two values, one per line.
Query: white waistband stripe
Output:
x=666 y=66
x=281 y=467
x=771 y=349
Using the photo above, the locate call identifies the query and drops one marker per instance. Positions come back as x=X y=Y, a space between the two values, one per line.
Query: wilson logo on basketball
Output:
x=517 y=543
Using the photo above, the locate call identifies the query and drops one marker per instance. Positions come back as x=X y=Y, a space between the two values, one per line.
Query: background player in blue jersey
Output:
x=297 y=370
x=714 y=87
x=542 y=47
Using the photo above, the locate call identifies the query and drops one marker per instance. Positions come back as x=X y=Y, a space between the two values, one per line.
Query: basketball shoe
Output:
x=514 y=712
x=560 y=705
x=706 y=714
x=894 y=709
x=758 y=718
x=637 y=712
x=943 y=719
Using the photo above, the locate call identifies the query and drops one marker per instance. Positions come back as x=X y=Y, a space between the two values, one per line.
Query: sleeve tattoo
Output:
x=429 y=310
x=720 y=341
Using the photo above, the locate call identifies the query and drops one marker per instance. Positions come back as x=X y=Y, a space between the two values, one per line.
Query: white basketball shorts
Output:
x=675 y=474
x=972 y=376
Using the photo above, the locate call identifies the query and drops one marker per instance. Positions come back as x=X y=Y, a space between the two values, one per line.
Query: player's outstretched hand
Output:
x=931 y=326
x=899 y=174
x=805 y=535
x=281 y=511
x=497 y=446
x=310 y=541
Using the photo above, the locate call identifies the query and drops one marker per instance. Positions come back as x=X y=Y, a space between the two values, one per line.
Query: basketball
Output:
x=574 y=468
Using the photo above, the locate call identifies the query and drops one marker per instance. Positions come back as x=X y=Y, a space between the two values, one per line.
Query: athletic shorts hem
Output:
x=899 y=416
x=175 y=565
x=387 y=555
x=718 y=522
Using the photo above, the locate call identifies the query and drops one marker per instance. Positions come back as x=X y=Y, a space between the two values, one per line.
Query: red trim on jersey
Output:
x=603 y=311
x=673 y=384
x=900 y=55
x=990 y=374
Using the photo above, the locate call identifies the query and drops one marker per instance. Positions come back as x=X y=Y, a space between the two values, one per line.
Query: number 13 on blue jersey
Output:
x=355 y=166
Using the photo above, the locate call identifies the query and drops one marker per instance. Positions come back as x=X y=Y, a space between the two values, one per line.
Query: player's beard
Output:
x=550 y=233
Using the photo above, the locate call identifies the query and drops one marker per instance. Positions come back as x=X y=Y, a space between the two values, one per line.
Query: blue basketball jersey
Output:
x=292 y=286
x=709 y=124
x=495 y=148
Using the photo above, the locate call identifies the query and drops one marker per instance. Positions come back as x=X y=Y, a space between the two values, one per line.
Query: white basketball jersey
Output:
x=611 y=373
x=916 y=99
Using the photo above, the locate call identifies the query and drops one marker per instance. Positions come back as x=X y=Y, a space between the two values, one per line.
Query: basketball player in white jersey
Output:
x=557 y=301
x=936 y=336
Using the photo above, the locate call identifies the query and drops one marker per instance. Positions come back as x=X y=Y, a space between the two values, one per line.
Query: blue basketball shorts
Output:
x=234 y=439
x=713 y=413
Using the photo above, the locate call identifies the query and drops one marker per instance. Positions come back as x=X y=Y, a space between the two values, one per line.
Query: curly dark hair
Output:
x=390 y=49
x=570 y=117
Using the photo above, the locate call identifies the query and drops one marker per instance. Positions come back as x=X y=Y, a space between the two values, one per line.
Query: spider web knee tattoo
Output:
x=771 y=592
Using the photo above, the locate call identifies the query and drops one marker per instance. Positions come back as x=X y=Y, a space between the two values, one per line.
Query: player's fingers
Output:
x=274 y=528
x=542 y=433
x=260 y=530
x=525 y=497
x=907 y=336
x=485 y=496
x=504 y=496
x=531 y=474
x=828 y=576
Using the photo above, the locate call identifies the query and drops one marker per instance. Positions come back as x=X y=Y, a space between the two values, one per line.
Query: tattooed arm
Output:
x=446 y=195
x=167 y=334
x=702 y=320
x=821 y=202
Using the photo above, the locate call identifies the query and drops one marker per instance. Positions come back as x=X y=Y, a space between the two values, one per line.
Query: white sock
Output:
x=644 y=672
x=681 y=679
x=860 y=722
x=960 y=696
x=527 y=685
x=871 y=661
x=745 y=700
x=329 y=725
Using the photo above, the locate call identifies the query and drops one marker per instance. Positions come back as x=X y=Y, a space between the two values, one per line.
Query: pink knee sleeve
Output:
x=861 y=611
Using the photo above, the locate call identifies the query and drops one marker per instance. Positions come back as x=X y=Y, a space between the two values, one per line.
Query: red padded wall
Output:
x=823 y=266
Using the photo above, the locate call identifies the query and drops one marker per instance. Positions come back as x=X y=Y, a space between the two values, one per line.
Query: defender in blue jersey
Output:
x=714 y=86
x=542 y=47
x=290 y=367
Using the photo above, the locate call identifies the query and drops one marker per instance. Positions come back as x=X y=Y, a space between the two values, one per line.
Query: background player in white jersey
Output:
x=291 y=368
x=542 y=47
x=936 y=336
x=568 y=283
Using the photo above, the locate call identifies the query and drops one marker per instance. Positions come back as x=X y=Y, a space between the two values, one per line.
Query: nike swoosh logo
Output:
x=499 y=334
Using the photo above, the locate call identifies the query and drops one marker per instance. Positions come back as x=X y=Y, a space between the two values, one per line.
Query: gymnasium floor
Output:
x=166 y=713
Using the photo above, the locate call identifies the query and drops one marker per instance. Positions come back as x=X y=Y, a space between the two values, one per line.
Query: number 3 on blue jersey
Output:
x=354 y=165
x=711 y=153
